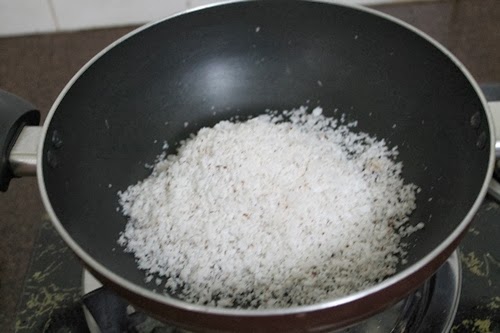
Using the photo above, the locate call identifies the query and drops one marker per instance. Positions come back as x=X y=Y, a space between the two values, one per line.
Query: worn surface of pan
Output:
x=242 y=58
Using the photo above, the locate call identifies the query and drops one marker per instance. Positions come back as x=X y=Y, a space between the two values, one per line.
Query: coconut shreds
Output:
x=288 y=208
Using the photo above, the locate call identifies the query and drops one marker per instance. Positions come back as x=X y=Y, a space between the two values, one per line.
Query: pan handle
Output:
x=15 y=114
x=492 y=93
x=495 y=112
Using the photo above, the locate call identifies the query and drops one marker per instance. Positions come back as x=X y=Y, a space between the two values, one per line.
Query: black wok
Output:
x=242 y=58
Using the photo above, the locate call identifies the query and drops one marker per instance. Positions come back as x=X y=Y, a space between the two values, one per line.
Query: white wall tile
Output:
x=18 y=17
x=84 y=14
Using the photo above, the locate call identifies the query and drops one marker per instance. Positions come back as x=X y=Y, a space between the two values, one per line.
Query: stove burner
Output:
x=431 y=308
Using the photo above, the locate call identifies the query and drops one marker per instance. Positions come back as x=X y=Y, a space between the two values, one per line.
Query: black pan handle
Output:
x=492 y=93
x=15 y=113
x=495 y=112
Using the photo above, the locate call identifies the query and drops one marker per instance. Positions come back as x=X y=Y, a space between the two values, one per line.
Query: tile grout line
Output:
x=54 y=15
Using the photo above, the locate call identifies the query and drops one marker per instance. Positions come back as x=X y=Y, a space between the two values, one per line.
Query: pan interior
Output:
x=243 y=58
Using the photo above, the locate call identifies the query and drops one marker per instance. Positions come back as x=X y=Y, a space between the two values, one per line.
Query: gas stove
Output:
x=463 y=296
x=431 y=308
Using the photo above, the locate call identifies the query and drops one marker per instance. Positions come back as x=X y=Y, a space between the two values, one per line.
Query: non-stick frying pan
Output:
x=240 y=59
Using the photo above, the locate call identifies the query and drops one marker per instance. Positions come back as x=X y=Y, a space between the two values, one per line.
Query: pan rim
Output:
x=170 y=301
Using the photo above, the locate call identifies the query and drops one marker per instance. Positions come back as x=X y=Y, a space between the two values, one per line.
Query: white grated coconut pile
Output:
x=284 y=209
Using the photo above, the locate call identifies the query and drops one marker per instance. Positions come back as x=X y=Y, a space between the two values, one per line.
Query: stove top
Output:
x=52 y=301
x=52 y=296
x=431 y=308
